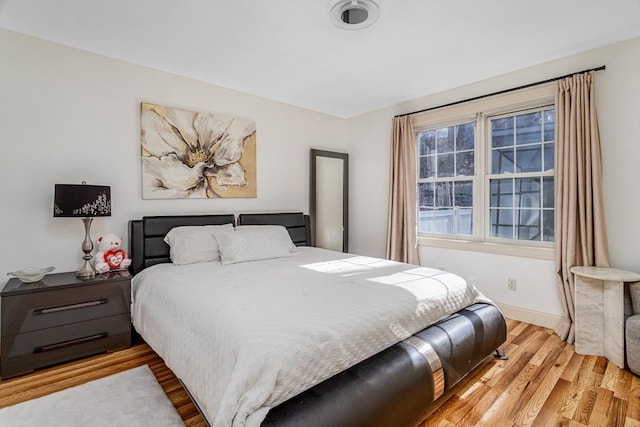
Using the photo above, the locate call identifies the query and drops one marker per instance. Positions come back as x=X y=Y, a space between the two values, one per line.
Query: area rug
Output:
x=129 y=398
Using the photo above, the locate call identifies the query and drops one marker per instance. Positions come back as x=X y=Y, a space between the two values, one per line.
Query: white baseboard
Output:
x=529 y=316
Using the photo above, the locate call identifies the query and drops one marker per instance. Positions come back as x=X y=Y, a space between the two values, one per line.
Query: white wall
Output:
x=67 y=115
x=618 y=104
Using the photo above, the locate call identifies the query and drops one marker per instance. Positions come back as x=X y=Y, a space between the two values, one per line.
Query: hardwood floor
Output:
x=544 y=383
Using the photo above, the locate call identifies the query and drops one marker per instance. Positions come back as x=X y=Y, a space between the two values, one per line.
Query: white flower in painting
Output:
x=183 y=149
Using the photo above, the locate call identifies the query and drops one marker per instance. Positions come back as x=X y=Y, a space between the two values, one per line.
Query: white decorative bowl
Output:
x=31 y=274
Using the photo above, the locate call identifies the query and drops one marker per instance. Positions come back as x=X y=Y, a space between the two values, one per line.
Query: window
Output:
x=488 y=177
x=445 y=186
x=521 y=176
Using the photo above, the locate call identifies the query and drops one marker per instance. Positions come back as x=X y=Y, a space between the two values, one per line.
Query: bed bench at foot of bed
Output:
x=395 y=387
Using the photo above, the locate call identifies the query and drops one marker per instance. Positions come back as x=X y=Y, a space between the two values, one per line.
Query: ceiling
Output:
x=288 y=50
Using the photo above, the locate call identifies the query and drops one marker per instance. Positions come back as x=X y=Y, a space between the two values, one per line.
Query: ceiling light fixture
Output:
x=354 y=14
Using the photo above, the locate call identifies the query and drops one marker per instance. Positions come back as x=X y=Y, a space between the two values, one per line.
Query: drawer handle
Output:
x=63 y=344
x=49 y=310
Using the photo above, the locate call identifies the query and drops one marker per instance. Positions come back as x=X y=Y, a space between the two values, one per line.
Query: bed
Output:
x=278 y=358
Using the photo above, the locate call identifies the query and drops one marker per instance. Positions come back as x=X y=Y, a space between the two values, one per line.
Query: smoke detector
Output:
x=354 y=14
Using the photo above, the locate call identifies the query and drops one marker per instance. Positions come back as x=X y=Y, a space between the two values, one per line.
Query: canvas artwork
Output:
x=189 y=154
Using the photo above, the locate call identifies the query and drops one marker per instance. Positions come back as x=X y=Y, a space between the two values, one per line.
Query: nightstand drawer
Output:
x=23 y=352
x=31 y=312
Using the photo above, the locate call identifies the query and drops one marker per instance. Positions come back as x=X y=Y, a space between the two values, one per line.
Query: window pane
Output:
x=549 y=124
x=427 y=166
x=527 y=192
x=465 y=221
x=425 y=195
x=502 y=223
x=529 y=128
x=501 y=193
x=502 y=160
x=444 y=194
x=528 y=226
x=502 y=132
x=444 y=140
x=464 y=193
x=548 y=227
x=464 y=163
x=445 y=165
x=464 y=136
x=426 y=220
x=443 y=222
x=453 y=213
x=548 y=192
x=529 y=158
x=427 y=142
x=548 y=156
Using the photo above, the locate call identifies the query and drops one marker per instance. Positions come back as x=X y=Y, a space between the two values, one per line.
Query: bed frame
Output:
x=396 y=387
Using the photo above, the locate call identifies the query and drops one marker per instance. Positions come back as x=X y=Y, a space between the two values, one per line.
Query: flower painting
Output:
x=187 y=154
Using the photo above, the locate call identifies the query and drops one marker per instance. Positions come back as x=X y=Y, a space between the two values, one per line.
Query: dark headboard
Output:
x=146 y=235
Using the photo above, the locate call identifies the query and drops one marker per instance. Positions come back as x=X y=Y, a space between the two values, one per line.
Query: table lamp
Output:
x=86 y=202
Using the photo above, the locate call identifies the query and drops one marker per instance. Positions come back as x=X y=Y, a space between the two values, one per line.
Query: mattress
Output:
x=246 y=337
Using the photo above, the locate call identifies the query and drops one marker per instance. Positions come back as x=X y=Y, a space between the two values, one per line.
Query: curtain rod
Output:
x=600 y=68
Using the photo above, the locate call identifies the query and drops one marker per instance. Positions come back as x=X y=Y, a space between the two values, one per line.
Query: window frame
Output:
x=452 y=179
x=488 y=176
x=481 y=111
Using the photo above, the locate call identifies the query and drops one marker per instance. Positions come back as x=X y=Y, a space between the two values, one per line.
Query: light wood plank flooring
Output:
x=544 y=383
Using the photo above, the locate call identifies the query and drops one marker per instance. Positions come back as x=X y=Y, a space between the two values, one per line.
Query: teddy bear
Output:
x=110 y=255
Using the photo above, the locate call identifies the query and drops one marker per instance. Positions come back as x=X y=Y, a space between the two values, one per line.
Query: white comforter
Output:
x=246 y=337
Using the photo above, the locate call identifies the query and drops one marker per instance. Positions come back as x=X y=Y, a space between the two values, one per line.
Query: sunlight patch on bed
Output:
x=426 y=284
x=408 y=275
x=349 y=266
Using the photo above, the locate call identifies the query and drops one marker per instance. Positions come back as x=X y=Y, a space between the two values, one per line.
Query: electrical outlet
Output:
x=512 y=284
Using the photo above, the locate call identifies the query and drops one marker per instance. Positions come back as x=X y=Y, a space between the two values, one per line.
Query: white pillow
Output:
x=191 y=244
x=253 y=243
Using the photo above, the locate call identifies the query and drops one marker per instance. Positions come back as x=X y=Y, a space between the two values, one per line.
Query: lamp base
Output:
x=87 y=271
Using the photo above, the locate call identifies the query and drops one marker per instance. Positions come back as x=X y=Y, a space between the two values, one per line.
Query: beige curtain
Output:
x=580 y=233
x=401 y=225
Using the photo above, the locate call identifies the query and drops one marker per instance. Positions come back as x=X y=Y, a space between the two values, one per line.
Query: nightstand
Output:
x=61 y=318
x=602 y=307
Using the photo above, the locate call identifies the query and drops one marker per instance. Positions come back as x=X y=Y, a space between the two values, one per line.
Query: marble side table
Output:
x=602 y=305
